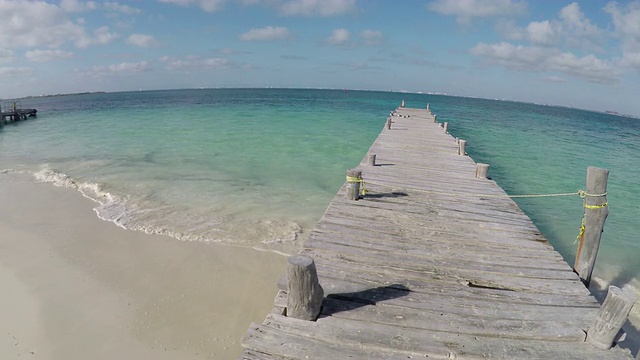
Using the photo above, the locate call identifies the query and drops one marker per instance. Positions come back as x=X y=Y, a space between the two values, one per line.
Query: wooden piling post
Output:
x=354 y=178
x=596 y=211
x=371 y=160
x=304 y=296
x=446 y=127
x=435 y=118
x=612 y=316
x=428 y=106
x=482 y=170
x=462 y=145
x=389 y=123
x=402 y=105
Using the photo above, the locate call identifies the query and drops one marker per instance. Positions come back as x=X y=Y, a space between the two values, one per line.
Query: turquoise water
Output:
x=257 y=167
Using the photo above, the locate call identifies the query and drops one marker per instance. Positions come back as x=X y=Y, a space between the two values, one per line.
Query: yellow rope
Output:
x=583 y=195
x=353 y=180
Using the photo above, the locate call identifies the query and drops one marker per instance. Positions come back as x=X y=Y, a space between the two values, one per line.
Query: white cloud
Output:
x=626 y=19
x=101 y=36
x=143 y=41
x=631 y=59
x=339 y=37
x=195 y=63
x=571 y=29
x=36 y=24
x=578 y=30
x=541 y=59
x=33 y=24
x=77 y=6
x=316 y=7
x=307 y=7
x=466 y=10
x=206 y=5
x=542 y=33
x=371 y=37
x=6 y=54
x=227 y=51
x=121 y=69
x=268 y=33
x=554 y=79
x=47 y=55
x=13 y=71
x=117 y=7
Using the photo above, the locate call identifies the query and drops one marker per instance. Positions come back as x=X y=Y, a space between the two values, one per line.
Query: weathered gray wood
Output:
x=612 y=316
x=439 y=346
x=595 y=214
x=402 y=105
x=354 y=178
x=371 y=160
x=482 y=170
x=462 y=147
x=304 y=295
x=428 y=106
x=389 y=123
x=446 y=127
x=435 y=118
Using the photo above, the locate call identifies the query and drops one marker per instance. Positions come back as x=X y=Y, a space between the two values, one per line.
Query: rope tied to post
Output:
x=583 y=195
x=355 y=180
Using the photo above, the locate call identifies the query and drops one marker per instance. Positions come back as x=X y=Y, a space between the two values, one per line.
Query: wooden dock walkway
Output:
x=422 y=268
x=13 y=113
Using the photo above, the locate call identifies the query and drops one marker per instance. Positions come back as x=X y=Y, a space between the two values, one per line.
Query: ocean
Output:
x=257 y=167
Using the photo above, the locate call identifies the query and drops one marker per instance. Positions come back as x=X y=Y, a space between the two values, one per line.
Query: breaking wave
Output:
x=180 y=222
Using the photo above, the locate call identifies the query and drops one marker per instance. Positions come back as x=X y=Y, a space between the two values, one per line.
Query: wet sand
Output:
x=76 y=287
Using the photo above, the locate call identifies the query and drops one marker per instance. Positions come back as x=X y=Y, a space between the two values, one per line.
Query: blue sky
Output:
x=584 y=54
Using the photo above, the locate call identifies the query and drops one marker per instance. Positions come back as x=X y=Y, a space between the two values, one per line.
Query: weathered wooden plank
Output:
x=340 y=280
x=418 y=259
x=424 y=262
x=440 y=345
x=433 y=250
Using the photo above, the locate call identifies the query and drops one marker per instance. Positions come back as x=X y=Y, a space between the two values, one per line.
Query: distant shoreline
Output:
x=430 y=93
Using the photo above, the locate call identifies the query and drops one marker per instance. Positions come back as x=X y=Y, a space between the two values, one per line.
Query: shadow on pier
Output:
x=340 y=302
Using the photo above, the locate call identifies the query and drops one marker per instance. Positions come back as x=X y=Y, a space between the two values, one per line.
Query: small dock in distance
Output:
x=421 y=267
x=13 y=112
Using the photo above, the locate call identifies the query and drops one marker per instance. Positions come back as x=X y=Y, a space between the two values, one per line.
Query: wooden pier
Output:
x=423 y=266
x=12 y=112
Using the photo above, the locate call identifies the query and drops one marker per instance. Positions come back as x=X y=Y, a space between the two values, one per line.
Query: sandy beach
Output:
x=76 y=287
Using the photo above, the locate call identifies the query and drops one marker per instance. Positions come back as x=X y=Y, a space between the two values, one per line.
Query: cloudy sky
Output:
x=584 y=54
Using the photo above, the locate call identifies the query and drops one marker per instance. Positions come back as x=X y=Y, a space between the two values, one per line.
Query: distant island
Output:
x=71 y=94
x=619 y=114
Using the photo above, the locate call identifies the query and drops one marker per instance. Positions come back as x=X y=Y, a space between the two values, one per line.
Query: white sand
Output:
x=76 y=287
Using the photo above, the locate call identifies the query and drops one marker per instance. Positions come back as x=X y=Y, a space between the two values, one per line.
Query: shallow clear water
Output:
x=257 y=167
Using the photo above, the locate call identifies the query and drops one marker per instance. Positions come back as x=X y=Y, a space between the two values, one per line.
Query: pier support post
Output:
x=462 y=146
x=435 y=118
x=371 y=161
x=428 y=107
x=595 y=214
x=354 y=178
x=389 y=123
x=446 y=127
x=482 y=170
x=402 y=105
x=304 y=296
x=612 y=316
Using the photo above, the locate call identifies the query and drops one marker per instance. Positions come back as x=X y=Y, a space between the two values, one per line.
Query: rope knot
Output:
x=354 y=180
